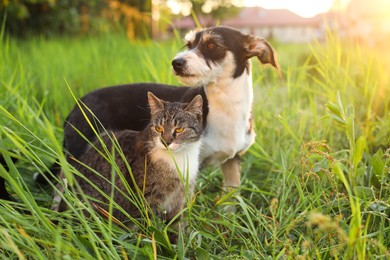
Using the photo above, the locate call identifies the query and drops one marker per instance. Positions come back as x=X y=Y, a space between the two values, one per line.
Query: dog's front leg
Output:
x=231 y=172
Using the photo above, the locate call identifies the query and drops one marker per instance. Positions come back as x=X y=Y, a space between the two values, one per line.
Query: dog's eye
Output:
x=159 y=129
x=189 y=45
x=179 y=130
x=210 y=45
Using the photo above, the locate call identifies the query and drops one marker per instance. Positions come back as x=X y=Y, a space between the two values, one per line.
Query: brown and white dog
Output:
x=215 y=65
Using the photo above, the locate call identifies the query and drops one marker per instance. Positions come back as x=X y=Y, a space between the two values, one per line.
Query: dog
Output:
x=4 y=195
x=215 y=65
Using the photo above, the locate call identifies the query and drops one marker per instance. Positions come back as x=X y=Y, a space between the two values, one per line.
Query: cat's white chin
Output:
x=174 y=146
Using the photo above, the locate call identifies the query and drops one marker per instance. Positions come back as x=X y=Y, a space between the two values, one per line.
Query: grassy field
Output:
x=315 y=185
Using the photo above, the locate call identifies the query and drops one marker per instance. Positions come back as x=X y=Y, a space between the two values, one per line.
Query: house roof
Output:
x=253 y=17
x=257 y=16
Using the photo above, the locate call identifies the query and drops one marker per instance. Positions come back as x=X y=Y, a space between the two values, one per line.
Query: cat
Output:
x=171 y=142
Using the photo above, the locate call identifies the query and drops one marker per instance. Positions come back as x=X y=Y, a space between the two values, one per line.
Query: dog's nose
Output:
x=178 y=63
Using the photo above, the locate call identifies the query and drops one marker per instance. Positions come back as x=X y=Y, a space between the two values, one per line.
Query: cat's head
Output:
x=175 y=124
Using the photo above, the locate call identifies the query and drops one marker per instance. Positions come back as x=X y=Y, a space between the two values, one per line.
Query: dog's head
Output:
x=219 y=52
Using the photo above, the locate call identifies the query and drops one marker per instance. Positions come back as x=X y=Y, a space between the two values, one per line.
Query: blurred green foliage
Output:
x=24 y=18
x=53 y=17
x=218 y=9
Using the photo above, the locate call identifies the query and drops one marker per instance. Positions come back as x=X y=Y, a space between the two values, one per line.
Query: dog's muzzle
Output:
x=178 y=65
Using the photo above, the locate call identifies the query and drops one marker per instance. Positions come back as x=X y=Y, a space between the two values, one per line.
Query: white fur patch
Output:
x=230 y=105
x=185 y=159
x=190 y=36
x=199 y=73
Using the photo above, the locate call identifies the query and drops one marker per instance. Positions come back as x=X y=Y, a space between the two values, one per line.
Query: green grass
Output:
x=316 y=184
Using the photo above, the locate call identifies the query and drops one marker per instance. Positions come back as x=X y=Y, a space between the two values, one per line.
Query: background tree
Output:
x=218 y=9
x=48 y=17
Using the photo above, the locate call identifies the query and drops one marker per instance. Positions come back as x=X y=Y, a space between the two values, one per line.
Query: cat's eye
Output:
x=179 y=130
x=159 y=129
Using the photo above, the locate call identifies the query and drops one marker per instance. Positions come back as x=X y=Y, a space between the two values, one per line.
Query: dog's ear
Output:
x=155 y=103
x=257 y=46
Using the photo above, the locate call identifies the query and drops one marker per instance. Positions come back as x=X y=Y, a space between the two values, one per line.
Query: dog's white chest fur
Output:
x=228 y=130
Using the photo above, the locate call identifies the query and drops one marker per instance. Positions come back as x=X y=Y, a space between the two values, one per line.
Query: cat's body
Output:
x=153 y=166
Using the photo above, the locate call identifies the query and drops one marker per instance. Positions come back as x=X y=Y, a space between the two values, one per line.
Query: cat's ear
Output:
x=196 y=105
x=155 y=103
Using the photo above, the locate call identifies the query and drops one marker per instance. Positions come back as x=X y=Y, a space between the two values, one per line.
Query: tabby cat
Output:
x=163 y=158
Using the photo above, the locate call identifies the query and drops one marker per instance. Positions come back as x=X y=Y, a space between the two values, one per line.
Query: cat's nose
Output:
x=167 y=140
